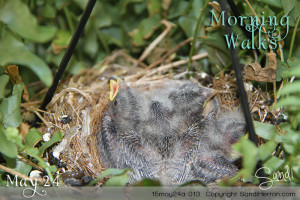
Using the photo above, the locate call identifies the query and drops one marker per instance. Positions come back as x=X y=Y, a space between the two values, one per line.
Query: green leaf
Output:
x=188 y=24
x=102 y=16
x=282 y=70
x=273 y=164
x=32 y=151
x=294 y=64
x=11 y=133
x=177 y=9
x=62 y=38
x=113 y=172
x=109 y=172
x=10 y=107
x=288 y=6
x=18 y=165
x=150 y=182
x=53 y=168
x=197 y=8
x=145 y=30
x=120 y=180
x=296 y=11
x=266 y=149
x=290 y=88
x=291 y=140
x=57 y=137
x=91 y=46
x=12 y=51
x=7 y=148
x=275 y=3
x=154 y=7
x=16 y=15
x=32 y=137
x=82 y=3
x=112 y=35
x=289 y=101
x=35 y=153
x=250 y=155
x=3 y=81
x=266 y=131
x=48 y=11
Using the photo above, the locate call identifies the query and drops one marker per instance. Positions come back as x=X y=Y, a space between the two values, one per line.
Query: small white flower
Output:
x=46 y=137
x=203 y=75
x=248 y=87
x=35 y=174
x=56 y=154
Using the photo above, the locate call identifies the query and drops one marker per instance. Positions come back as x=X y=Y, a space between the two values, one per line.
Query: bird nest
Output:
x=84 y=97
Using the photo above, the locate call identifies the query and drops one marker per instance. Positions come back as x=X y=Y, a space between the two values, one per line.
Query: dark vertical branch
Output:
x=65 y=60
x=237 y=14
x=67 y=56
x=243 y=95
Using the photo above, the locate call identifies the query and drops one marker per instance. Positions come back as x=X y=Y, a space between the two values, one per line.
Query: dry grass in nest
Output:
x=85 y=96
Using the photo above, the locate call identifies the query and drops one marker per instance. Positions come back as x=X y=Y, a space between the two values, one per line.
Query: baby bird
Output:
x=175 y=132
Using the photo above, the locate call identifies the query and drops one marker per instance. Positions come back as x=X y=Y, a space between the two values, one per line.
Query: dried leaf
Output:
x=217 y=11
x=16 y=78
x=13 y=73
x=267 y=74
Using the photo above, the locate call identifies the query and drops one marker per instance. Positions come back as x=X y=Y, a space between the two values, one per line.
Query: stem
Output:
x=280 y=47
x=69 y=20
x=195 y=37
x=264 y=29
x=293 y=38
x=49 y=175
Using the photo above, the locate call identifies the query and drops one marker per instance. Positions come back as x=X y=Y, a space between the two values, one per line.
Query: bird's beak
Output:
x=114 y=88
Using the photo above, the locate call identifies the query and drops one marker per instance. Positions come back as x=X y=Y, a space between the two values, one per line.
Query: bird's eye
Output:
x=115 y=102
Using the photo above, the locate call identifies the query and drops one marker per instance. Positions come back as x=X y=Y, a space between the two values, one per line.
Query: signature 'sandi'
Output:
x=284 y=176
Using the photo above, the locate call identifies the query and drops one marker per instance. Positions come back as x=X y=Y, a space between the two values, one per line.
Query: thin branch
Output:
x=22 y=176
x=148 y=50
x=175 y=64
x=169 y=52
x=253 y=11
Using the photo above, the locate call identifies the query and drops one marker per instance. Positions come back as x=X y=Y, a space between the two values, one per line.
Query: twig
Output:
x=27 y=104
x=70 y=90
x=258 y=93
x=252 y=10
x=30 y=163
x=133 y=60
x=177 y=63
x=147 y=51
x=168 y=53
x=116 y=54
x=22 y=176
x=38 y=113
x=146 y=73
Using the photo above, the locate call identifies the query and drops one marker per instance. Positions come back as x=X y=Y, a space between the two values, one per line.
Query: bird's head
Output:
x=123 y=104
